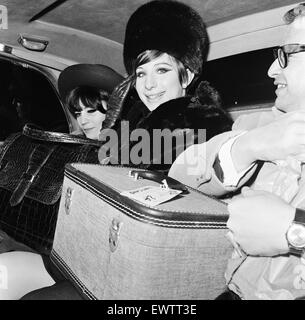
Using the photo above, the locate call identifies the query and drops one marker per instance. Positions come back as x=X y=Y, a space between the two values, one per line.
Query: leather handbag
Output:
x=32 y=164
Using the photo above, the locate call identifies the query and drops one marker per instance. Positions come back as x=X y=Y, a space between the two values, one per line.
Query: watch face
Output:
x=296 y=235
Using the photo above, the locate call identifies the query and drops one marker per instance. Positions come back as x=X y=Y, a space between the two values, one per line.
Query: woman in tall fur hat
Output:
x=166 y=44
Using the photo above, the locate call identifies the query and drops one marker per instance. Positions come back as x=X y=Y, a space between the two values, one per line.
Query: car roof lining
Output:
x=47 y=9
x=108 y=18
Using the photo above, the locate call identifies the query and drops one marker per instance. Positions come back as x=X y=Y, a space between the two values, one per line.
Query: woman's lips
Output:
x=153 y=97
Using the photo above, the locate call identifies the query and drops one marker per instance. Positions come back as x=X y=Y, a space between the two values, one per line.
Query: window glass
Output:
x=28 y=97
x=242 y=79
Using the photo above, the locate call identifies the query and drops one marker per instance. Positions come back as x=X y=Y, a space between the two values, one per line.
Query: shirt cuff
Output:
x=231 y=177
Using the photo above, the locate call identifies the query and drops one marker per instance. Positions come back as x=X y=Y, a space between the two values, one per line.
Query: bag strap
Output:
x=7 y=143
x=38 y=158
x=31 y=131
x=160 y=178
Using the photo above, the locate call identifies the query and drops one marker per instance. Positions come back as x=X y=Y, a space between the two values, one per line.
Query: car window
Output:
x=27 y=96
x=242 y=79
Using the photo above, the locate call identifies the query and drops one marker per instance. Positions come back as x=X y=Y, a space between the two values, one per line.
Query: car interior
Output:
x=27 y=96
x=44 y=37
x=30 y=96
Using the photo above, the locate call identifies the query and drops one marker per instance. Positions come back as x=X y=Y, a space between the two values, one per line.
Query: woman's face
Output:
x=157 y=82
x=90 y=120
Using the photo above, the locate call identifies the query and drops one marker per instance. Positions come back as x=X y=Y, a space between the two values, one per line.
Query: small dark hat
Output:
x=90 y=75
x=169 y=26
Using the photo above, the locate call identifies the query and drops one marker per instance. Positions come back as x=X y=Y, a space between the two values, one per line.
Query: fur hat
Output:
x=90 y=75
x=169 y=26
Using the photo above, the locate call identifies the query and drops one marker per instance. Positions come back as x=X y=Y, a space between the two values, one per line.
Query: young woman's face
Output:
x=90 y=120
x=158 y=81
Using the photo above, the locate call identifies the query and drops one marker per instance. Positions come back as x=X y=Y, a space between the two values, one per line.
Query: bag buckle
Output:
x=27 y=177
x=68 y=200
x=114 y=232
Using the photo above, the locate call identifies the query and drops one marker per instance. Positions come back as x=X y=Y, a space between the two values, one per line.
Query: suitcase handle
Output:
x=159 y=178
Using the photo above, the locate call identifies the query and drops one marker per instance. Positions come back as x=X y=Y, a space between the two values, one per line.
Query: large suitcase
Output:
x=113 y=247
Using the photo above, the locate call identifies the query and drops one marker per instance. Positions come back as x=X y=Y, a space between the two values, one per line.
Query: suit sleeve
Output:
x=195 y=166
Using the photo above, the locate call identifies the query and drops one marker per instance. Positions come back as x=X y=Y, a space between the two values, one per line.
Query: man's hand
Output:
x=259 y=221
x=274 y=141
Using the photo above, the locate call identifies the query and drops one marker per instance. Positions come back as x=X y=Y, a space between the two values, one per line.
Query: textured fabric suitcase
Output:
x=113 y=247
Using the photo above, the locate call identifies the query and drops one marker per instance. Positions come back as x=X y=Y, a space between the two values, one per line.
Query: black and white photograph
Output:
x=151 y=153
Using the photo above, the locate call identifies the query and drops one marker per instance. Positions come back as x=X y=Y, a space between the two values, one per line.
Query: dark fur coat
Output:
x=201 y=111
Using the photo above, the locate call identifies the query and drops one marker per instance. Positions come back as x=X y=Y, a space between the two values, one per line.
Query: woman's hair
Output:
x=89 y=96
x=150 y=55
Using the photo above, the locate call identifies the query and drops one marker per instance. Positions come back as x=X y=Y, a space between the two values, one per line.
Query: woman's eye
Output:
x=140 y=74
x=91 y=110
x=163 y=70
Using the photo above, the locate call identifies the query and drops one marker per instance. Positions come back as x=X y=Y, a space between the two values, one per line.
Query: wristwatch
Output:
x=296 y=233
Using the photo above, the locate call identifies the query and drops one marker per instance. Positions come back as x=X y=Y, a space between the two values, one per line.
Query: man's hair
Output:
x=90 y=97
x=292 y=14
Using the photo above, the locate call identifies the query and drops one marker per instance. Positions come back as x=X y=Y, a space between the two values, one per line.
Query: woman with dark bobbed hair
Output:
x=89 y=107
x=85 y=89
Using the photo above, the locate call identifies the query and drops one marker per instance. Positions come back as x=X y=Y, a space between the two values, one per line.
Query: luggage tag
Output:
x=152 y=195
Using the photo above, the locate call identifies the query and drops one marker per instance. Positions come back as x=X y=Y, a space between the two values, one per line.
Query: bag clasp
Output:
x=68 y=200
x=114 y=232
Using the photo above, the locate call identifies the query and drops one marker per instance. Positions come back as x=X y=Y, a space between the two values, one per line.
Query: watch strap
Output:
x=295 y=251
x=299 y=216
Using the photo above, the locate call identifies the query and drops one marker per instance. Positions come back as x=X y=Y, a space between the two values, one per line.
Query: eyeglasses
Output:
x=282 y=53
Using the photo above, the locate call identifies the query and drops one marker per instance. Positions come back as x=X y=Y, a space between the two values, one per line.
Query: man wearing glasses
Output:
x=265 y=151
